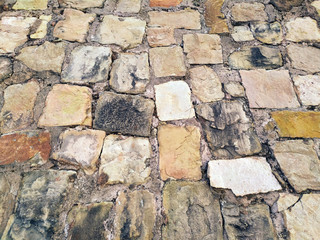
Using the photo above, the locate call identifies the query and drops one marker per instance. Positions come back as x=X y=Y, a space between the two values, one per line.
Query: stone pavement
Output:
x=159 y=119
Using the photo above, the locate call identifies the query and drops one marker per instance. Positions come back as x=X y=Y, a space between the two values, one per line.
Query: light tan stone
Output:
x=270 y=33
x=164 y=3
x=42 y=29
x=81 y=4
x=286 y=200
x=235 y=89
x=30 y=5
x=128 y=6
x=308 y=89
x=179 y=149
x=214 y=18
x=159 y=37
x=242 y=34
x=316 y=5
x=302 y=29
x=244 y=12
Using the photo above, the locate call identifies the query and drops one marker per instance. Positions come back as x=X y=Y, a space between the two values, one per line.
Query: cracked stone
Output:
x=164 y=3
x=41 y=31
x=128 y=6
x=308 y=89
x=235 y=89
x=286 y=200
x=245 y=12
x=302 y=29
x=242 y=34
x=214 y=18
x=5 y=68
x=270 y=33
x=159 y=37
x=30 y=5
x=286 y=5
x=81 y=4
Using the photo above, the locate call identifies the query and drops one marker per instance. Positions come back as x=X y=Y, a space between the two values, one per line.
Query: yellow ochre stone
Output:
x=30 y=5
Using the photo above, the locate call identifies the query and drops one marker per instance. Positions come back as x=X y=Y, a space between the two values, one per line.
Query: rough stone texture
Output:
x=5 y=68
x=88 y=64
x=270 y=33
x=244 y=12
x=128 y=6
x=286 y=5
x=316 y=5
x=17 y=111
x=42 y=29
x=135 y=215
x=302 y=29
x=124 y=114
x=202 y=48
x=130 y=73
x=126 y=32
x=297 y=124
x=308 y=89
x=81 y=147
x=124 y=159
x=67 y=105
x=286 y=200
x=205 y=76
x=256 y=57
x=30 y=5
x=269 y=89
x=192 y=211
x=300 y=164
x=179 y=149
x=214 y=18
x=242 y=34
x=235 y=89
x=164 y=3
x=173 y=101
x=86 y=221
x=81 y=4
x=159 y=37
x=46 y=57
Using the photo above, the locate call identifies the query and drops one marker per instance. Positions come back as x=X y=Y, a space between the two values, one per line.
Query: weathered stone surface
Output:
x=179 y=149
x=304 y=58
x=297 y=124
x=46 y=57
x=252 y=222
x=86 y=221
x=124 y=159
x=130 y=73
x=13 y=32
x=244 y=12
x=286 y=200
x=286 y=5
x=41 y=31
x=202 y=48
x=173 y=101
x=126 y=32
x=135 y=215
x=124 y=114
x=300 y=164
x=167 y=61
x=228 y=129
x=39 y=204
x=30 y=4
x=270 y=33
x=67 y=105
x=159 y=37
x=242 y=34
x=205 y=84
x=5 y=68
x=74 y=27
x=81 y=147
x=269 y=89
x=235 y=89
x=214 y=18
x=188 y=19
x=316 y=5
x=88 y=64
x=17 y=111
x=81 y=4
x=308 y=89
x=192 y=210
x=23 y=146
x=256 y=57
x=164 y=3
x=128 y=6
x=302 y=29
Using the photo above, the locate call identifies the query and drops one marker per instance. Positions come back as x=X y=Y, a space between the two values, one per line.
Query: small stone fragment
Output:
x=302 y=29
x=128 y=6
x=270 y=33
x=124 y=159
x=67 y=105
x=124 y=114
x=5 y=68
x=192 y=210
x=81 y=4
x=30 y=5
x=164 y=3
x=243 y=176
x=42 y=29
x=235 y=89
x=159 y=37
x=202 y=48
x=130 y=73
x=286 y=200
x=88 y=64
x=214 y=18
x=245 y=12
x=167 y=61
x=308 y=89
x=173 y=101
x=179 y=149
x=286 y=5
x=316 y=5
x=242 y=34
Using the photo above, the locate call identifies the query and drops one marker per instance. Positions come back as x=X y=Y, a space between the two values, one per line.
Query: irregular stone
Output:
x=269 y=89
x=179 y=149
x=302 y=29
x=5 y=68
x=304 y=57
x=14 y=32
x=297 y=124
x=46 y=57
x=188 y=19
x=202 y=48
x=316 y=5
x=270 y=33
x=228 y=129
x=159 y=37
x=75 y=26
x=128 y=6
x=164 y=3
x=81 y=4
x=286 y=5
x=308 y=89
x=42 y=29
x=67 y=105
x=167 y=61
x=242 y=34
x=214 y=18
x=124 y=159
x=235 y=89
x=88 y=64
x=17 y=111
x=286 y=200
x=173 y=101
x=135 y=215
x=256 y=57
x=192 y=211
x=205 y=84
x=124 y=114
x=300 y=164
x=39 y=204
x=245 y=12
x=82 y=147
x=126 y=32
x=86 y=221
x=130 y=73
x=30 y=5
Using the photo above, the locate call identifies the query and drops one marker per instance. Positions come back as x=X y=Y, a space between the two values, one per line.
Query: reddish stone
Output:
x=164 y=3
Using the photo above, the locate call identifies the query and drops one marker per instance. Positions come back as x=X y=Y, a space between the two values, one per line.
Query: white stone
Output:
x=308 y=89
x=242 y=34
x=302 y=29
x=128 y=6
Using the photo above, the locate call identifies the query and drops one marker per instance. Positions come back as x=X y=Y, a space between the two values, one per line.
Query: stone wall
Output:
x=160 y=119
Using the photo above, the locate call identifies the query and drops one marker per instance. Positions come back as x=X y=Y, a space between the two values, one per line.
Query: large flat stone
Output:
x=214 y=18
x=81 y=4
x=308 y=89
x=164 y=3
x=270 y=33
x=161 y=36
x=128 y=6
x=244 y=12
x=286 y=200
x=242 y=34
x=30 y=5
x=302 y=29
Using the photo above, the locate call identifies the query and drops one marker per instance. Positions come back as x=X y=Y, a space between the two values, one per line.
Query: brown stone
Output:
x=164 y=3
x=158 y=37
x=215 y=19
x=5 y=68
x=286 y=5
x=244 y=12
